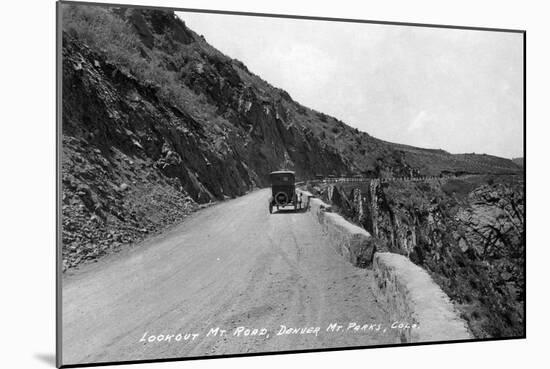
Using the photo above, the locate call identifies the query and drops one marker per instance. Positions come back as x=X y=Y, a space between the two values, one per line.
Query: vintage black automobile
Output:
x=283 y=190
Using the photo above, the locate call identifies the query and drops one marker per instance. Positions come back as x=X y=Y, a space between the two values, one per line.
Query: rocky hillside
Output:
x=519 y=161
x=156 y=121
x=469 y=233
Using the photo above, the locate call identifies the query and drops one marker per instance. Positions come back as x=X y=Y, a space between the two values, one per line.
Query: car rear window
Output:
x=282 y=179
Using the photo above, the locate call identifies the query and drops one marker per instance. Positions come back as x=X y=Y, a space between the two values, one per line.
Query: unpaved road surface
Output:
x=228 y=266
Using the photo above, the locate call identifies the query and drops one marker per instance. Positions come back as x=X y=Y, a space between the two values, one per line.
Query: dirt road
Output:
x=231 y=265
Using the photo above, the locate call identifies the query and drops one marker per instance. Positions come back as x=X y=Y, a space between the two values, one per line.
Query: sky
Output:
x=457 y=90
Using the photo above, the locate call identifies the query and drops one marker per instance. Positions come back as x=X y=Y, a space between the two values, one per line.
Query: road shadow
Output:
x=46 y=358
x=289 y=211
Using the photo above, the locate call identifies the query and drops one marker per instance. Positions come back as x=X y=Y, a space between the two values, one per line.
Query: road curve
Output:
x=228 y=266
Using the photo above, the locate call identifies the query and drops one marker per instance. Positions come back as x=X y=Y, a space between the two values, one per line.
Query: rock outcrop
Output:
x=468 y=233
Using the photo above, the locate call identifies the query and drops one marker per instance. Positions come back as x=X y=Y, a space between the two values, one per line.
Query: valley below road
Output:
x=227 y=266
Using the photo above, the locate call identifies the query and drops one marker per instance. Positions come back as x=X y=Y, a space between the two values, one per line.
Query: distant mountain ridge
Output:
x=519 y=161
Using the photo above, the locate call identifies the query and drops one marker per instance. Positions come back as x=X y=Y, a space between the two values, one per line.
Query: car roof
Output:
x=282 y=172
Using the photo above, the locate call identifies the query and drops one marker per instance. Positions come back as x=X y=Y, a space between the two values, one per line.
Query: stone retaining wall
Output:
x=352 y=242
x=406 y=291
x=411 y=296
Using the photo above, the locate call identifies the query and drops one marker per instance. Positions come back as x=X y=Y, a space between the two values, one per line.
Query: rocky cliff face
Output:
x=136 y=159
x=468 y=233
x=157 y=121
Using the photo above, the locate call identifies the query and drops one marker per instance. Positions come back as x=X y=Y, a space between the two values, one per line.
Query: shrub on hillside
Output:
x=100 y=29
x=104 y=31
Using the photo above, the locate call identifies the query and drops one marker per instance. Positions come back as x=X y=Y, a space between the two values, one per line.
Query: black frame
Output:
x=59 y=96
